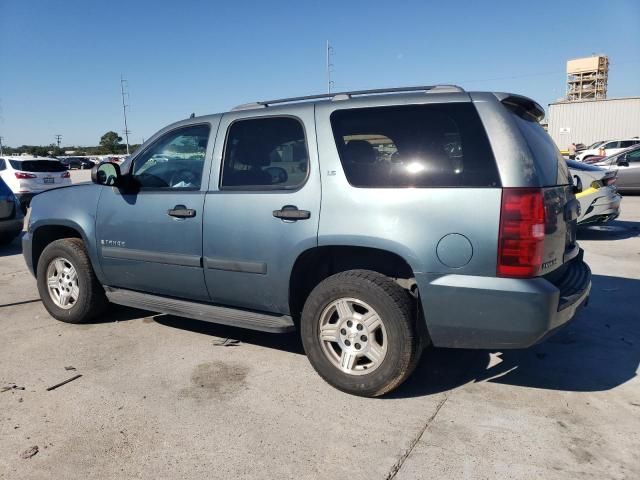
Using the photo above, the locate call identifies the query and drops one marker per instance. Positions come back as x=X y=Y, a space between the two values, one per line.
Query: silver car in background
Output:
x=627 y=166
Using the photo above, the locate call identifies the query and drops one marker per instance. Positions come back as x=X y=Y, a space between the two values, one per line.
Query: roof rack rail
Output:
x=347 y=95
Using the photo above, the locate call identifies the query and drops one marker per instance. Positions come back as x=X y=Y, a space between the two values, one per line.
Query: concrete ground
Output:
x=162 y=397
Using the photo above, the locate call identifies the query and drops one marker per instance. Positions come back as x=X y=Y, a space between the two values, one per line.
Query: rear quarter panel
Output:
x=410 y=222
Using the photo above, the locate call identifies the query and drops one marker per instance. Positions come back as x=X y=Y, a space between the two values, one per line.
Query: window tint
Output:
x=174 y=161
x=610 y=145
x=2 y=164
x=38 y=165
x=265 y=153
x=634 y=156
x=627 y=143
x=414 y=146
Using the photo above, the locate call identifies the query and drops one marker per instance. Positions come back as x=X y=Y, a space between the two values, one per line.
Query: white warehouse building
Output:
x=594 y=120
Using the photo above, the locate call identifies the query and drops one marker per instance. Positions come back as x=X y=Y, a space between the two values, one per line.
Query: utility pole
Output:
x=58 y=139
x=329 y=67
x=1 y=146
x=123 y=82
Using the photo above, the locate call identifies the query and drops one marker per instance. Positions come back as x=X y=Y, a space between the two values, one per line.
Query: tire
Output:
x=90 y=299
x=357 y=296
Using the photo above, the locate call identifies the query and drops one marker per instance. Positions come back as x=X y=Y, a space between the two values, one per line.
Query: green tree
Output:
x=110 y=141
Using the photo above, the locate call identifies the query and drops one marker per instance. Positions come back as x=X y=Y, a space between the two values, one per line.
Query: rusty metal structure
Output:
x=587 y=78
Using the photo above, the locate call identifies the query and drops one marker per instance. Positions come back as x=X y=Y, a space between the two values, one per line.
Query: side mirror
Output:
x=106 y=173
x=623 y=161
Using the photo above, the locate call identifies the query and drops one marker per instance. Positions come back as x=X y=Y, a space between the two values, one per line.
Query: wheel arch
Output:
x=45 y=233
x=315 y=264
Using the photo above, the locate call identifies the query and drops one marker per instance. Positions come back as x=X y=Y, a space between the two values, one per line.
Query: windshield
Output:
x=594 y=145
x=38 y=165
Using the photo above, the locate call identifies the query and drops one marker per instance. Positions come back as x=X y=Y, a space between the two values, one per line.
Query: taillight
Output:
x=23 y=175
x=65 y=175
x=520 y=245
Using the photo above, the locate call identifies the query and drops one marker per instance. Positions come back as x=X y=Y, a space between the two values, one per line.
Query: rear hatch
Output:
x=40 y=174
x=558 y=245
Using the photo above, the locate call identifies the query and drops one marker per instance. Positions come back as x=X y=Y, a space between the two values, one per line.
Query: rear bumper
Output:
x=605 y=207
x=464 y=311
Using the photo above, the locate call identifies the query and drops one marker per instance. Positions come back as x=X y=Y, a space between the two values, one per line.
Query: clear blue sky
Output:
x=60 y=62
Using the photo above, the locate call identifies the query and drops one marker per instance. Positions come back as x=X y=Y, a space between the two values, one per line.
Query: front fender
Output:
x=73 y=207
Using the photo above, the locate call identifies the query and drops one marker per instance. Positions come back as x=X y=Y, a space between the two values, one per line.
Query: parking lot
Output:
x=167 y=397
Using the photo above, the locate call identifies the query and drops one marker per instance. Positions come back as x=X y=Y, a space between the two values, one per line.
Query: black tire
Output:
x=91 y=300
x=394 y=306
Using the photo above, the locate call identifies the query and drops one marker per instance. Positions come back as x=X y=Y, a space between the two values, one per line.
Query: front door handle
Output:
x=291 y=212
x=180 y=211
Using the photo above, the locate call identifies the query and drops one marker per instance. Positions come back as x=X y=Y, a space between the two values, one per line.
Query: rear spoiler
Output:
x=521 y=106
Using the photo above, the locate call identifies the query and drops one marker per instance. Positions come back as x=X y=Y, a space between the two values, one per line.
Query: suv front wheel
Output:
x=67 y=285
x=359 y=332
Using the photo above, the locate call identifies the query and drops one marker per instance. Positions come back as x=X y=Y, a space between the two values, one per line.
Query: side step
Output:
x=202 y=311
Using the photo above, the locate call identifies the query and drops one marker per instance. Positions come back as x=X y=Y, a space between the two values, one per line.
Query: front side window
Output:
x=175 y=161
x=414 y=146
x=265 y=154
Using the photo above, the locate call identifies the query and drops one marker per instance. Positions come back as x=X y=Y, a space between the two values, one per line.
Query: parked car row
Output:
x=609 y=147
x=27 y=176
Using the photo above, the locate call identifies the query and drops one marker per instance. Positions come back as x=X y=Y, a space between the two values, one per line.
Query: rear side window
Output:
x=547 y=156
x=442 y=145
x=38 y=165
x=265 y=154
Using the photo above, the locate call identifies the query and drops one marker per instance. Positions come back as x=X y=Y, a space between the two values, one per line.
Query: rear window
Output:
x=38 y=165
x=547 y=156
x=441 y=145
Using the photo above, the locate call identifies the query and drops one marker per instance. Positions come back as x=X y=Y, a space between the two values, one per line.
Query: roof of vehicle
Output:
x=621 y=152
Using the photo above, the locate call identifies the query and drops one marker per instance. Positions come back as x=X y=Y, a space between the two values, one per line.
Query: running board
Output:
x=263 y=322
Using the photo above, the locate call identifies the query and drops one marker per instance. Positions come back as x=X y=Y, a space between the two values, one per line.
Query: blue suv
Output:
x=375 y=223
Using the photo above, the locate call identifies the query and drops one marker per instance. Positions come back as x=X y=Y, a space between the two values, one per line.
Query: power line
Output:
x=123 y=82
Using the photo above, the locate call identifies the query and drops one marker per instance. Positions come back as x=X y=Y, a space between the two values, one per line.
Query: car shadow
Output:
x=598 y=351
x=616 y=230
x=288 y=342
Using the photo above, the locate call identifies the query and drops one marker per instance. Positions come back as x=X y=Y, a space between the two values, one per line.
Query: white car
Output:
x=611 y=147
x=27 y=176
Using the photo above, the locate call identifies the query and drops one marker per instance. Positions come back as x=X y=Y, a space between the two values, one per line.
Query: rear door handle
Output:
x=291 y=212
x=180 y=211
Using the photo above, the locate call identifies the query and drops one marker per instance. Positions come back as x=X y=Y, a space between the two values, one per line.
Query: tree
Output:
x=110 y=141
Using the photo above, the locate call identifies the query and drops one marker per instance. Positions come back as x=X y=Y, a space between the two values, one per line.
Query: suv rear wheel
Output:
x=359 y=333
x=67 y=285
